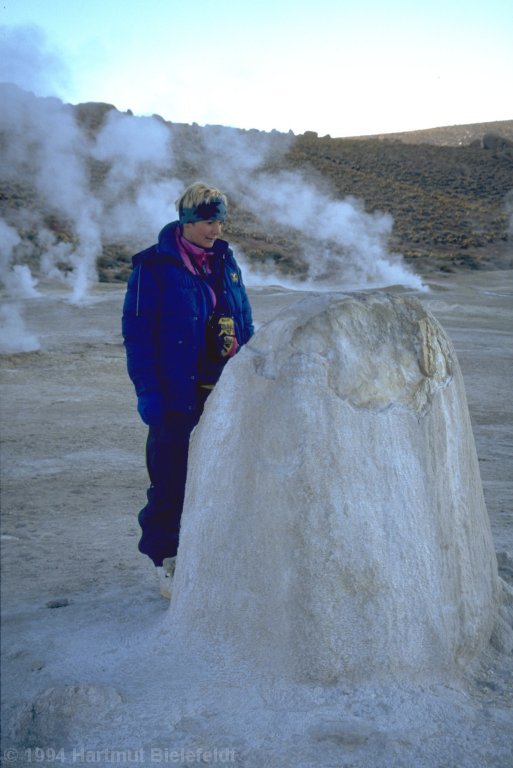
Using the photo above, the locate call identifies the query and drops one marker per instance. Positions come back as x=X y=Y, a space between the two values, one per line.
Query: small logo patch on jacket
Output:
x=234 y=276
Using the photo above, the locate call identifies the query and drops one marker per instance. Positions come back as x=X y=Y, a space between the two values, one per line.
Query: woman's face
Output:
x=203 y=233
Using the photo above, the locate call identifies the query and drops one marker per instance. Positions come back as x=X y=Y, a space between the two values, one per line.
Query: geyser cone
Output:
x=334 y=523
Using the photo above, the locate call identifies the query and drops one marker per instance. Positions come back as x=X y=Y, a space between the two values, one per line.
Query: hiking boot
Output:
x=165 y=574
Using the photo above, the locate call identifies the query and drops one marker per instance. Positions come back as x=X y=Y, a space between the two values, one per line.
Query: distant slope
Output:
x=449 y=190
x=452 y=135
x=449 y=202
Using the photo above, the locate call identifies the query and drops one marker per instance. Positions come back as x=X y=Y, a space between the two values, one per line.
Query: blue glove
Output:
x=151 y=408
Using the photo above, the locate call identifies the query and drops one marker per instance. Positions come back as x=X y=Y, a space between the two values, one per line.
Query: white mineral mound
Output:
x=334 y=525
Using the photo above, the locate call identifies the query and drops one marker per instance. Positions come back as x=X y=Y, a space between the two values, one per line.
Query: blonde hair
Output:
x=198 y=193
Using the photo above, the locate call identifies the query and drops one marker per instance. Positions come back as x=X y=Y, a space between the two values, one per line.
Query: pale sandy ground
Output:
x=75 y=591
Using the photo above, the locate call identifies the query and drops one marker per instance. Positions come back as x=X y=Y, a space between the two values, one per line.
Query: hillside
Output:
x=448 y=190
x=450 y=194
x=476 y=134
x=448 y=201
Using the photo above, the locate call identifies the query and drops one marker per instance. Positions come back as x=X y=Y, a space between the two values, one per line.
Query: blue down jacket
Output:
x=165 y=314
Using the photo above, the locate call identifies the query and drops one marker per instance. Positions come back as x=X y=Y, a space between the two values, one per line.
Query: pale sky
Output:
x=338 y=67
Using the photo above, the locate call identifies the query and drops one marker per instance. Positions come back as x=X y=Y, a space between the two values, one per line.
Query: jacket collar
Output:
x=167 y=242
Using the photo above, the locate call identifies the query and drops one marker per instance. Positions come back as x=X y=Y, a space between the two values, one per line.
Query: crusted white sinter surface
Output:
x=343 y=534
x=91 y=661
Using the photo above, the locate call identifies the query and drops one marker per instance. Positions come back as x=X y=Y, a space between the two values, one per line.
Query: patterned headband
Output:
x=215 y=210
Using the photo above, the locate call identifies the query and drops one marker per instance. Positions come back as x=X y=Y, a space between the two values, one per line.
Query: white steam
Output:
x=19 y=284
x=14 y=336
x=135 y=195
x=119 y=186
x=343 y=245
x=45 y=149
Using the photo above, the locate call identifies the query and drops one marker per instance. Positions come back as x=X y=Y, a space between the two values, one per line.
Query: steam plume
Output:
x=145 y=163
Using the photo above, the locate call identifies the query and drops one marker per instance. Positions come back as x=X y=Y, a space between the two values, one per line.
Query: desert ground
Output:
x=82 y=615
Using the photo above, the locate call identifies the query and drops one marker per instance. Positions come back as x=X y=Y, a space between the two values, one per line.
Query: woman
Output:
x=186 y=313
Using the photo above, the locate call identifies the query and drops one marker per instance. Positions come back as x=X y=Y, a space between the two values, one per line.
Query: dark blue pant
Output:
x=167 y=449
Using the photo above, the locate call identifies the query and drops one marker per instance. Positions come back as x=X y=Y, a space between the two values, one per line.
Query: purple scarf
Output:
x=196 y=259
